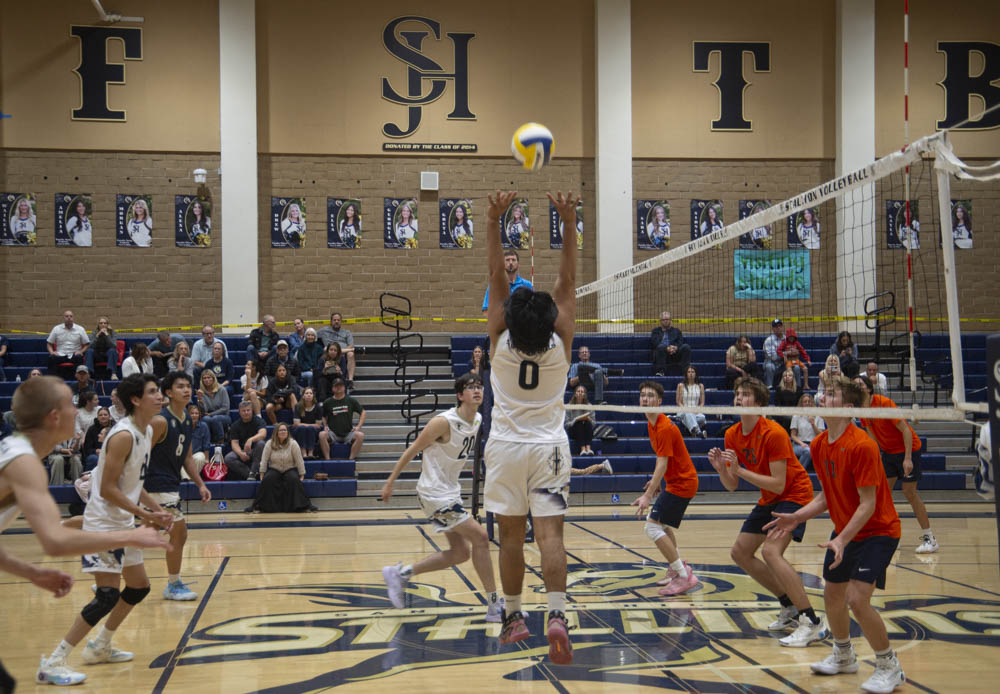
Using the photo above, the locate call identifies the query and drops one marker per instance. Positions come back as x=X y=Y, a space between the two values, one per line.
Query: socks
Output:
x=679 y=567
x=104 y=637
x=842 y=646
x=927 y=532
x=61 y=651
x=512 y=603
x=884 y=655
x=557 y=601
x=785 y=602
x=492 y=598
x=173 y=578
x=406 y=571
x=811 y=614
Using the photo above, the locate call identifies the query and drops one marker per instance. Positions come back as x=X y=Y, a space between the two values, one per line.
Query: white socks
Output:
x=512 y=603
x=61 y=651
x=679 y=567
x=557 y=601
x=104 y=637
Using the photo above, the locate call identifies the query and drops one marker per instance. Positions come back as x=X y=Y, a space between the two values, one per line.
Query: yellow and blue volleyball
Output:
x=532 y=145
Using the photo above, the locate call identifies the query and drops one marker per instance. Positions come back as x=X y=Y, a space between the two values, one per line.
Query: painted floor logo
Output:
x=608 y=613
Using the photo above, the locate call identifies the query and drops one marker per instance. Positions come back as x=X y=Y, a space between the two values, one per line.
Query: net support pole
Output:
x=951 y=287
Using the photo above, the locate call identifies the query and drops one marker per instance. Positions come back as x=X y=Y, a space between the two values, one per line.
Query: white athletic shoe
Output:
x=606 y=467
x=837 y=663
x=806 y=633
x=395 y=582
x=93 y=654
x=927 y=545
x=787 y=619
x=178 y=590
x=494 y=613
x=888 y=675
x=55 y=671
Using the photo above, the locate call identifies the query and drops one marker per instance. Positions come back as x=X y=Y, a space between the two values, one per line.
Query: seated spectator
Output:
x=773 y=362
x=85 y=415
x=214 y=401
x=220 y=365
x=116 y=410
x=343 y=337
x=65 y=464
x=253 y=385
x=331 y=368
x=94 y=437
x=804 y=430
x=181 y=360
x=103 y=345
x=691 y=393
x=282 y=471
x=338 y=414
x=308 y=422
x=741 y=361
x=828 y=375
x=309 y=355
x=669 y=349
x=4 y=346
x=138 y=361
x=202 y=350
x=588 y=374
x=787 y=394
x=246 y=442
x=201 y=438
x=35 y=372
x=281 y=396
x=796 y=357
x=262 y=341
x=282 y=357
x=297 y=338
x=67 y=343
x=479 y=363
x=161 y=350
x=83 y=384
x=580 y=423
x=878 y=379
x=845 y=350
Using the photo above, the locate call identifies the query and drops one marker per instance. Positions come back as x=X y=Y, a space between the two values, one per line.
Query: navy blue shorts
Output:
x=761 y=516
x=668 y=509
x=893 y=465
x=864 y=560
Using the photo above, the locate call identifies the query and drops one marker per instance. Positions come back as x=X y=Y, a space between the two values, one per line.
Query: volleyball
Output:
x=532 y=145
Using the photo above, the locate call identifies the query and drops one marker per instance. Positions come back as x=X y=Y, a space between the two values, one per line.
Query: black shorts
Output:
x=668 y=509
x=864 y=560
x=893 y=465
x=761 y=516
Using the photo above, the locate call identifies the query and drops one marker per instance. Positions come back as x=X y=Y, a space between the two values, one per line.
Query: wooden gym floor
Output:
x=293 y=603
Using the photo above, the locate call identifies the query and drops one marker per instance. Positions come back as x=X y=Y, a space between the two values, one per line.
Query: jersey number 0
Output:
x=527 y=377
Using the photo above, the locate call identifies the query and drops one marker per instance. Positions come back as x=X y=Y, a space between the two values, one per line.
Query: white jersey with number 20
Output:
x=528 y=392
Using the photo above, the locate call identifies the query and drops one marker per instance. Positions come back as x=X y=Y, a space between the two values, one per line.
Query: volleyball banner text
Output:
x=771 y=274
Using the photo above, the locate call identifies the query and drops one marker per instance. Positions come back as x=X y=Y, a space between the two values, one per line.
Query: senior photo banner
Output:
x=653 y=225
x=961 y=223
x=515 y=225
x=401 y=225
x=771 y=274
x=706 y=217
x=194 y=221
x=759 y=238
x=134 y=221
x=18 y=226
x=343 y=225
x=455 y=227
x=556 y=229
x=803 y=229
x=73 y=213
x=288 y=222
x=899 y=234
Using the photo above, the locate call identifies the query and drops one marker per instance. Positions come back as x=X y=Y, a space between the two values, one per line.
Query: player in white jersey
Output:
x=45 y=415
x=448 y=442
x=527 y=457
x=115 y=495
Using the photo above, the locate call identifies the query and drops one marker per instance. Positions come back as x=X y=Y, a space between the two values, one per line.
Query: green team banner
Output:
x=771 y=274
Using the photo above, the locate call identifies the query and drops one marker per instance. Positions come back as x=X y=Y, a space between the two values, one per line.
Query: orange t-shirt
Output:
x=680 y=479
x=768 y=442
x=889 y=437
x=843 y=467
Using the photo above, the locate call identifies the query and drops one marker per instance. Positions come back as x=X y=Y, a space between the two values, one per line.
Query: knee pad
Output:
x=133 y=596
x=105 y=599
x=654 y=531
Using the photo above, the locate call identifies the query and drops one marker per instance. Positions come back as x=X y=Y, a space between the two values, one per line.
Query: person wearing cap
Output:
x=82 y=385
x=338 y=417
x=773 y=363
x=796 y=357
x=282 y=357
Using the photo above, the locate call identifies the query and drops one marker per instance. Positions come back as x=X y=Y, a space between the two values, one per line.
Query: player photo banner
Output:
x=760 y=238
x=653 y=225
x=194 y=221
x=134 y=221
x=19 y=224
x=288 y=222
x=898 y=233
x=706 y=217
x=73 y=214
x=400 y=222
x=961 y=223
x=343 y=225
x=556 y=229
x=455 y=228
x=803 y=229
x=515 y=226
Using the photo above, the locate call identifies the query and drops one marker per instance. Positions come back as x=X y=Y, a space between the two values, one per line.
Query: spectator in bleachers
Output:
x=878 y=379
x=161 y=350
x=796 y=357
x=691 y=393
x=282 y=356
x=93 y=438
x=220 y=365
x=343 y=337
x=116 y=410
x=35 y=372
x=787 y=394
x=262 y=341
x=254 y=385
x=511 y=264
x=103 y=344
x=308 y=422
x=4 y=346
x=828 y=376
x=246 y=442
x=845 y=349
x=86 y=413
x=138 y=361
x=202 y=350
x=201 y=438
x=338 y=413
x=297 y=337
x=282 y=471
x=580 y=423
x=65 y=463
x=82 y=384
x=773 y=363
x=281 y=396
x=214 y=401
x=181 y=359
x=309 y=355
x=331 y=368
x=588 y=374
x=67 y=343
x=479 y=363
x=803 y=430
x=741 y=361
x=669 y=349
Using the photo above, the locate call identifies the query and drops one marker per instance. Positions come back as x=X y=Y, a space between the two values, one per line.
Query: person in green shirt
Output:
x=338 y=417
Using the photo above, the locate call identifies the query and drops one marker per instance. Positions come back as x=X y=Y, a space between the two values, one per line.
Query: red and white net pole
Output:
x=909 y=235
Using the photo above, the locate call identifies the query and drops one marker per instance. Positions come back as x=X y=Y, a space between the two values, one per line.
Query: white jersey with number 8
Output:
x=528 y=392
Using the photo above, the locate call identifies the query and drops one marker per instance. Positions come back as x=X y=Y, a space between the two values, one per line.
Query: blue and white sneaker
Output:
x=93 y=654
x=178 y=591
x=55 y=671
